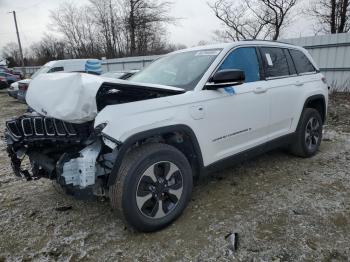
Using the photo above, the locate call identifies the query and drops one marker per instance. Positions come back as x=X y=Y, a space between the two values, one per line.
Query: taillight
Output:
x=2 y=78
x=22 y=87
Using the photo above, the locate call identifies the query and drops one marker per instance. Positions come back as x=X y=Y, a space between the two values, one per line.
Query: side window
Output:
x=275 y=62
x=56 y=69
x=292 y=70
x=302 y=63
x=245 y=59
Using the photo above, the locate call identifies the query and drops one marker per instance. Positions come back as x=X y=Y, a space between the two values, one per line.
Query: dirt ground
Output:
x=282 y=207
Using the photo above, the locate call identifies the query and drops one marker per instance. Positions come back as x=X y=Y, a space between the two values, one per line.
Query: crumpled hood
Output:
x=71 y=97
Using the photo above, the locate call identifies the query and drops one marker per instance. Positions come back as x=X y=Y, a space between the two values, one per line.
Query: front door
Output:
x=235 y=118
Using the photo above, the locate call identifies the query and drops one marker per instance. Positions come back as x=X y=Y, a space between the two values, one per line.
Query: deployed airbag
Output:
x=71 y=97
x=66 y=96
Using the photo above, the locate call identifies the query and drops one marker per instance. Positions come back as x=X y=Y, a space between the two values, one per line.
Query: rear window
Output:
x=275 y=61
x=302 y=63
x=56 y=69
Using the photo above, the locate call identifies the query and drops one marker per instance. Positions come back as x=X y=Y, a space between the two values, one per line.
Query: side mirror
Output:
x=225 y=78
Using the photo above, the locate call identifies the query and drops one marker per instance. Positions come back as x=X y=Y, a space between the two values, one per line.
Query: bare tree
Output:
x=110 y=28
x=143 y=22
x=11 y=53
x=252 y=19
x=48 y=49
x=108 y=19
x=113 y=28
x=78 y=28
x=333 y=15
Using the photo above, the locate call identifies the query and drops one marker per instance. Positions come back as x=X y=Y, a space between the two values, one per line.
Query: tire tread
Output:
x=117 y=190
x=297 y=148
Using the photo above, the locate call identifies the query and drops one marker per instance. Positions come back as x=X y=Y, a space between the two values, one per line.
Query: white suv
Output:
x=142 y=142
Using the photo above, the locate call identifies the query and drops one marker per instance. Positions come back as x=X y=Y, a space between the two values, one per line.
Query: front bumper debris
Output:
x=16 y=164
x=43 y=140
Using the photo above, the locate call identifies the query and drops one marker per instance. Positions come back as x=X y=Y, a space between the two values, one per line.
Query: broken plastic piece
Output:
x=232 y=239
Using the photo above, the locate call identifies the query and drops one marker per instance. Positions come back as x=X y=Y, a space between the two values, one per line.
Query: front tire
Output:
x=153 y=187
x=308 y=134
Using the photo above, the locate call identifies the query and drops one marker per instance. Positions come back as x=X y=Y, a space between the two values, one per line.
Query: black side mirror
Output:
x=225 y=78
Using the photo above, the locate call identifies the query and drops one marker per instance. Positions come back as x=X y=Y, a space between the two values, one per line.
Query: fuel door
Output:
x=197 y=112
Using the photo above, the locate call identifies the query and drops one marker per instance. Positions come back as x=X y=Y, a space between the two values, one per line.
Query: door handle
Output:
x=260 y=90
x=298 y=83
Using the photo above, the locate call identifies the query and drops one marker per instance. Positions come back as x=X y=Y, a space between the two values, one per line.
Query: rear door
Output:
x=308 y=79
x=283 y=89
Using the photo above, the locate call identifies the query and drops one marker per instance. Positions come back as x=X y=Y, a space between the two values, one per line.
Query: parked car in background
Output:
x=22 y=89
x=12 y=90
x=92 y=66
x=3 y=82
x=17 y=73
x=11 y=71
x=120 y=74
x=10 y=77
x=4 y=69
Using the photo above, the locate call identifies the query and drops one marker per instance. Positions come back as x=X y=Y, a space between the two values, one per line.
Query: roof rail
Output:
x=264 y=40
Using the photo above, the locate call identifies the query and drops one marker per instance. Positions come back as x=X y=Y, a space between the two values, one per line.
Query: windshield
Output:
x=43 y=69
x=182 y=70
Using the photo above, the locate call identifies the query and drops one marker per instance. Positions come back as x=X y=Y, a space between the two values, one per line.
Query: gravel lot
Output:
x=282 y=207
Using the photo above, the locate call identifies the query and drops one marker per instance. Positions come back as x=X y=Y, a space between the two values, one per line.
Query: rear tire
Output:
x=153 y=187
x=308 y=134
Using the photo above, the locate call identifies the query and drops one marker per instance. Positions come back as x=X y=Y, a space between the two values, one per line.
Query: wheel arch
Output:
x=189 y=146
x=317 y=102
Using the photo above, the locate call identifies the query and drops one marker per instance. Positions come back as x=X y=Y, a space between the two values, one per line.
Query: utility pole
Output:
x=19 y=41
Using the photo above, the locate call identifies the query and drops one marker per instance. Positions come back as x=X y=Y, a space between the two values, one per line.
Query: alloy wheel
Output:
x=312 y=133
x=159 y=190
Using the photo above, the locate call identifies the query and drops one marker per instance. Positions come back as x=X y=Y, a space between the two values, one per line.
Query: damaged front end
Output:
x=59 y=137
x=72 y=154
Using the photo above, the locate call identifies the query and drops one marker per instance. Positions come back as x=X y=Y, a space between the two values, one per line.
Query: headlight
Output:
x=98 y=129
x=108 y=142
x=95 y=134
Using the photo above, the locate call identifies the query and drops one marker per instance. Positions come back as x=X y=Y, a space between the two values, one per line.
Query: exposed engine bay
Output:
x=73 y=154
x=112 y=94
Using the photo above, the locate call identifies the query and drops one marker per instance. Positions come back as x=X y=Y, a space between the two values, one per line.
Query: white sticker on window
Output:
x=209 y=52
x=269 y=60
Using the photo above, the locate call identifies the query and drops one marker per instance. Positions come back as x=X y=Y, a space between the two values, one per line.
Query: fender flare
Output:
x=318 y=97
x=123 y=147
